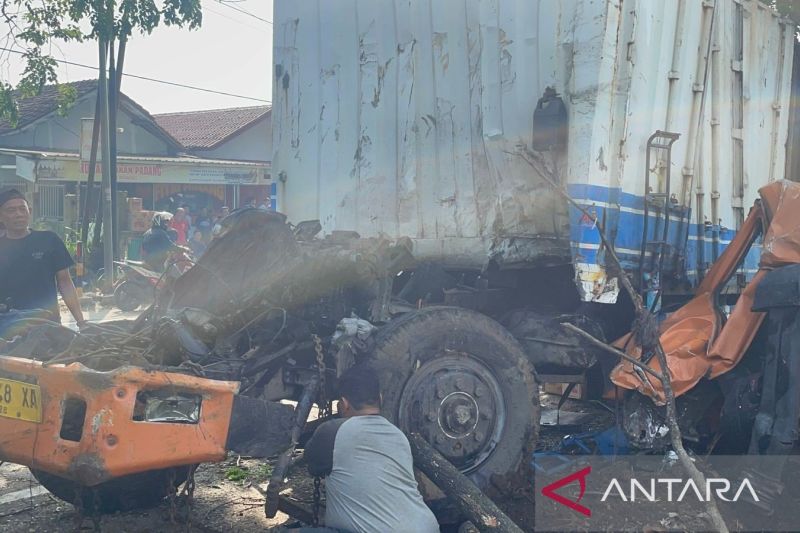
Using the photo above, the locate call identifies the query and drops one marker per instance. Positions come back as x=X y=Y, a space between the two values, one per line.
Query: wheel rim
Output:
x=457 y=405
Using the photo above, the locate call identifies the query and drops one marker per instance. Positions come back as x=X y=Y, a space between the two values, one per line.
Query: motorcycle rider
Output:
x=216 y=231
x=158 y=242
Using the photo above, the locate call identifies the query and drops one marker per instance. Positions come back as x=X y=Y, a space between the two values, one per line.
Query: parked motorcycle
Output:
x=139 y=284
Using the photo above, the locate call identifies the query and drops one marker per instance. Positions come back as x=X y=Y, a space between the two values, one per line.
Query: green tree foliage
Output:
x=787 y=8
x=35 y=25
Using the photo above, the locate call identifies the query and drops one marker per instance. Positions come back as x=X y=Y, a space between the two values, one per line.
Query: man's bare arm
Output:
x=70 y=296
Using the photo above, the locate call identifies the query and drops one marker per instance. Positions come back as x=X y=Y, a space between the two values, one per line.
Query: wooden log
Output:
x=472 y=503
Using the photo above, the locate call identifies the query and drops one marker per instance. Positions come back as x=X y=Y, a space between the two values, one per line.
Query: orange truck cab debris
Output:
x=91 y=426
x=697 y=339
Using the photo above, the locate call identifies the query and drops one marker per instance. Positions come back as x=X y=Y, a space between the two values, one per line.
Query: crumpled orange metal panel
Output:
x=739 y=331
x=781 y=203
x=112 y=443
x=696 y=343
x=683 y=339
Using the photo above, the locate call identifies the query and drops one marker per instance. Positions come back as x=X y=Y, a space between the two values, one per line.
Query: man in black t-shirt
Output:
x=33 y=264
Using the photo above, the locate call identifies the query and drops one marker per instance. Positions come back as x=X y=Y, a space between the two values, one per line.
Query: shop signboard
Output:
x=144 y=171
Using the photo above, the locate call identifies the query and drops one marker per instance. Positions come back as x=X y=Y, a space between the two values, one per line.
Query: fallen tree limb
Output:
x=677 y=443
x=471 y=502
x=650 y=346
x=674 y=430
x=603 y=346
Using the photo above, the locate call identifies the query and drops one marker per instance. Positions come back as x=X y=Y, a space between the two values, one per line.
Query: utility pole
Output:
x=108 y=215
x=114 y=82
x=112 y=127
x=88 y=203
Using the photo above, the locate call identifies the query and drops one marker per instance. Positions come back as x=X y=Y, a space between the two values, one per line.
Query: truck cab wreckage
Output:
x=272 y=313
x=439 y=246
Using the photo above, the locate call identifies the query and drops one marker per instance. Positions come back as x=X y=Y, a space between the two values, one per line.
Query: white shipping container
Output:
x=405 y=117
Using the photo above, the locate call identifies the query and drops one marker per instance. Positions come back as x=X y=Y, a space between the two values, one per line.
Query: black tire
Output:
x=136 y=491
x=490 y=417
x=100 y=281
x=127 y=296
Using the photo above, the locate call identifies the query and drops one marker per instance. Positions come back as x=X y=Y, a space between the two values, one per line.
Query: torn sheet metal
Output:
x=550 y=347
x=781 y=243
x=695 y=340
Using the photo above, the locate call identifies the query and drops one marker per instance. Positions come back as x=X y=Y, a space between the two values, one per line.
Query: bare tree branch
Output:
x=642 y=314
x=610 y=349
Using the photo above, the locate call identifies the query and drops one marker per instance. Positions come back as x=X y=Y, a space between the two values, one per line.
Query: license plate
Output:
x=21 y=401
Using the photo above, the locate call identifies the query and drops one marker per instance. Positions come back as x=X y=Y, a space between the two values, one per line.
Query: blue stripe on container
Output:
x=624 y=230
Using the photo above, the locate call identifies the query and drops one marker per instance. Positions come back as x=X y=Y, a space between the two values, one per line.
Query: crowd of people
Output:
x=196 y=230
x=173 y=232
x=182 y=228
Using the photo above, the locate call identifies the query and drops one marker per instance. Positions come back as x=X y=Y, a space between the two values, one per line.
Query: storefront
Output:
x=202 y=160
x=163 y=183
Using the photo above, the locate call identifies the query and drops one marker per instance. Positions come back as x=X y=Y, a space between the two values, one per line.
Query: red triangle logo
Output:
x=580 y=476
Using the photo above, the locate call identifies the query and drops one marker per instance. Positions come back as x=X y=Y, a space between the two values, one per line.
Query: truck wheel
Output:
x=126 y=296
x=463 y=382
x=136 y=491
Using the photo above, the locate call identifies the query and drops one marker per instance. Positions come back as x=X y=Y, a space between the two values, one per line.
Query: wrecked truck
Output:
x=269 y=313
x=459 y=126
x=273 y=312
x=418 y=155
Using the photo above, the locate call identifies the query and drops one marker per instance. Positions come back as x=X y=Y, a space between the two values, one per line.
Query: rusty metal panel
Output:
x=403 y=118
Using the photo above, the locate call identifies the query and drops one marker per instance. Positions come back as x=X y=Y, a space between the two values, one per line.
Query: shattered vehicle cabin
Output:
x=445 y=189
x=282 y=313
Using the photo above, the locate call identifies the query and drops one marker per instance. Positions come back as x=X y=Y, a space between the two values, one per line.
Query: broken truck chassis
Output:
x=266 y=294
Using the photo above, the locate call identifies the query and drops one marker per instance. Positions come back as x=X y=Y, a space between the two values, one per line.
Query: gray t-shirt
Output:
x=370 y=483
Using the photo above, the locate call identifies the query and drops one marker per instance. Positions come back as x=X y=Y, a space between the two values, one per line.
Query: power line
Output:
x=175 y=84
x=155 y=80
x=240 y=10
x=223 y=15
